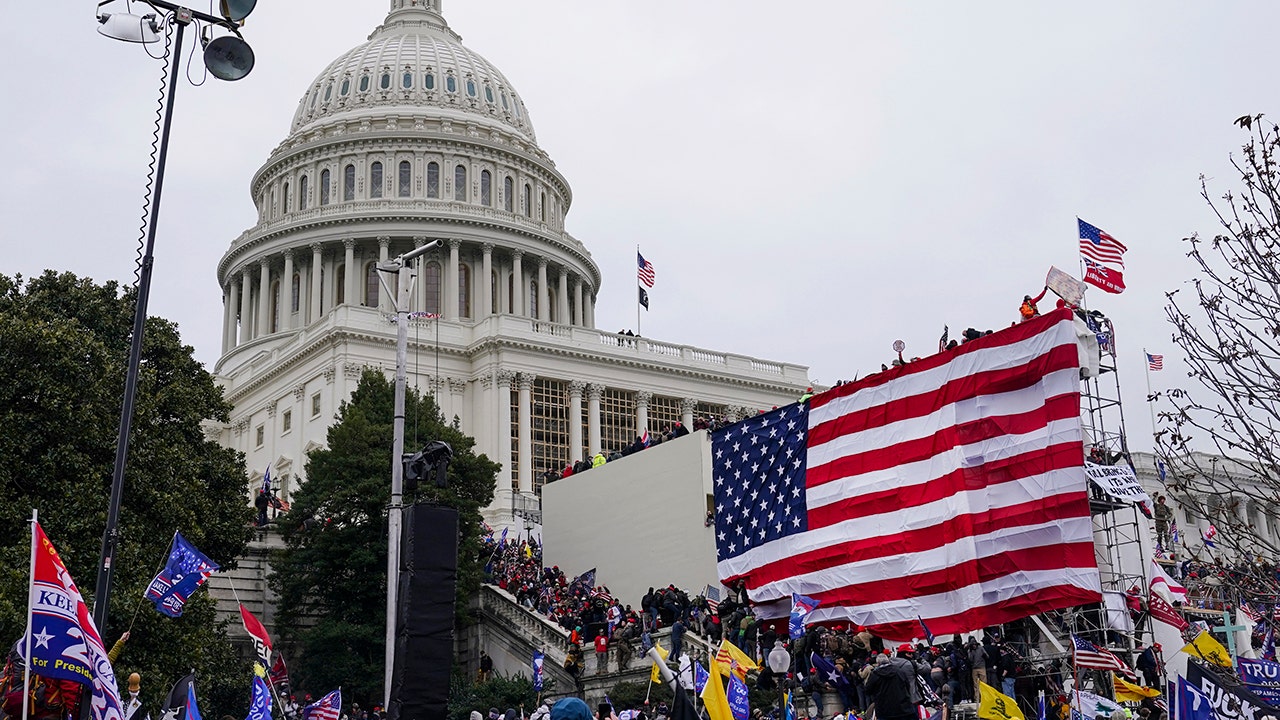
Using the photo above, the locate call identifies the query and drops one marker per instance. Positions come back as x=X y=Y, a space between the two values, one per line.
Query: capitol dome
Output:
x=414 y=61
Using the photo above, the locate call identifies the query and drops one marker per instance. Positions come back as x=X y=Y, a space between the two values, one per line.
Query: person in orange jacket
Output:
x=1029 y=309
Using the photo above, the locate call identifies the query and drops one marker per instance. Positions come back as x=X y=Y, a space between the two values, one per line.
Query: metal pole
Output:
x=102 y=590
x=395 y=514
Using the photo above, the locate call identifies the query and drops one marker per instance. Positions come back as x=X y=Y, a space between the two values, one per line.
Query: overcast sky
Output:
x=812 y=180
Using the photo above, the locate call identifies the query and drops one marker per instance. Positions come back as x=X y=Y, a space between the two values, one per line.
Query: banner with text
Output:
x=1118 y=481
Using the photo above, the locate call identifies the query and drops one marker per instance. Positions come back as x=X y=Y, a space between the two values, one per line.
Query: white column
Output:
x=418 y=303
x=575 y=419
x=642 y=411
x=593 y=417
x=578 y=315
x=591 y=308
x=502 y=438
x=317 y=273
x=562 y=298
x=687 y=406
x=451 y=311
x=544 y=312
x=525 y=429
x=286 y=293
x=349 y=291
x=385 y=301
x=246 y=327
x=517 y=282
x=229 y=300
x=264 y=298
x=486 y=282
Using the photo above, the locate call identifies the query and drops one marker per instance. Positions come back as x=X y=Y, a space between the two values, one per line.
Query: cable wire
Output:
x=155 y=151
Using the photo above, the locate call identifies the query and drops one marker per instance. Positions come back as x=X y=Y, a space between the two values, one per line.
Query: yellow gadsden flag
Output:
x=713 y=695
x=656 y=674
x=1206 y=647
x=1131 y=692
x=730 y=659
x=995 y=705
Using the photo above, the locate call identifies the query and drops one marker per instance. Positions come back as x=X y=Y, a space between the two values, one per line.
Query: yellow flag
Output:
x=1207 y=648
x=730 y=659
x=713 y=696
x=1131 y=692
x=995 y=705
x=656 y=674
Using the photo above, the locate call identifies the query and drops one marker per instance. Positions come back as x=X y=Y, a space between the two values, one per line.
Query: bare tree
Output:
x=1228 y=327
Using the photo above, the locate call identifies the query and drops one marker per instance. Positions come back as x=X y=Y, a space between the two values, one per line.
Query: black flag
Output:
x=644 y=298
x=181 y=703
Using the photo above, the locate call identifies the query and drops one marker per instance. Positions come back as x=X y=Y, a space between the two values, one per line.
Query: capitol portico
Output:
x=408 y=138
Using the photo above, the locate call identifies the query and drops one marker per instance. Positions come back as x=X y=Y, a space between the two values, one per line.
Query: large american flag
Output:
x=1103 y=258
x=328 y=707
x=949 y=491
x=645 y=273
x=1088 y=655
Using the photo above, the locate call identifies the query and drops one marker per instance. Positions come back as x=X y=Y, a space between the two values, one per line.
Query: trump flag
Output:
x=62 y=641
x=185 y=571
x=948 y=491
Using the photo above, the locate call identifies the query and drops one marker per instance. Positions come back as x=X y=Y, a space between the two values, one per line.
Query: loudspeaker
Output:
x=424 y=616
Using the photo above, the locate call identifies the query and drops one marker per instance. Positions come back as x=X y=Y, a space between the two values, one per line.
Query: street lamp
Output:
x=780 y=664
x=231 y=59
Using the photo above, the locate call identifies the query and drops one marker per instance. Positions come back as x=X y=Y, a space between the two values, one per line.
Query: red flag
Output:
x=63 y=639
x=1161 y=610
x=261 y=641
x=1109 y=279
x=279 y=673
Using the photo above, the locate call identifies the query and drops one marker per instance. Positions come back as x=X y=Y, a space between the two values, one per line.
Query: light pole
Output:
x=780 y=664
x=227 y=58
x=403 y=295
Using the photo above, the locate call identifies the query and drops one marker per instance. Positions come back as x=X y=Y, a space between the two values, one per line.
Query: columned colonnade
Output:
x=290 y=289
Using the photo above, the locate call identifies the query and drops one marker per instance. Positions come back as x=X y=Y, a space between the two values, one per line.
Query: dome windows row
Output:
x=411 y=81
x=396 y=179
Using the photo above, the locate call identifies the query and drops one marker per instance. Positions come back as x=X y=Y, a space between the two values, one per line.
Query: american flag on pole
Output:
x=712 y=594
x=1103 y=258
x=328 y=707
x=948 y=491
x=645 y=273
x=1155 y=362
x=1088 y=655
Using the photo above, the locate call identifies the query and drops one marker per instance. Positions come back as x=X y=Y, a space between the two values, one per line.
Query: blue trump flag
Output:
x=1193 y=704
x=538 y=658
x=801 y=606
x=181 y=702
x=700 y=677
x=260 y=702
x=739 y=704
x=183 y=574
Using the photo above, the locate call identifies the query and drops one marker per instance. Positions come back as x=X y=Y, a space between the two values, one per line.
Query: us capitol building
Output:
x=408 y=138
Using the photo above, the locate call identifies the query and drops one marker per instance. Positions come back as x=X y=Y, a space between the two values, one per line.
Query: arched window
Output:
x=302 y=192
x=295 y=293
x=533 y=298
x=505 y=106
x=460 y=183
x=371 y=285
x=405 y=178
x=349 y=183
x=340 y=292
x=407 y=81
x=493 y=291
x=284 y=194
x=433 y=180
x=324 y=186
x=508 y=189
x=375 y=180
x=275 y=306
x=528 y=200
x=346 y=87
x=429 y=81
x=364 y=83
x=451 y=84
x=385 y=82
x=275 y=208
x=431 y=286
x=486 y=188
x=328 y=92
x=471 y=88
x=464 y=290
x=488 y=94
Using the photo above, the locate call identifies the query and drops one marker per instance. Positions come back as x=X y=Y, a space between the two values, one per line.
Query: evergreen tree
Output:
x=332 y=575
x=65 y=345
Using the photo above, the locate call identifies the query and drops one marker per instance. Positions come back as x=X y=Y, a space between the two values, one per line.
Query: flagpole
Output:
x=638 y=289
x=1151 y=403
x=31 y=583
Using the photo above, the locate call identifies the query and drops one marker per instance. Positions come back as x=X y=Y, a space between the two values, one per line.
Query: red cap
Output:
x=904 y=647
